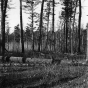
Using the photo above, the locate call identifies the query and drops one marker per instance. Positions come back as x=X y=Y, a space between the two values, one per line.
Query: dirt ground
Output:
x=43 y=75
x=81 y=82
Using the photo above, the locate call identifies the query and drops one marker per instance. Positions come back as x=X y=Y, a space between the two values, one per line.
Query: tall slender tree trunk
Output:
x=14 y=42
x=3 y=15
x=71 y=35
x=59 y=42
x=53 y=32
x=21 y=26
x=66 y=36
x=40 y=27
x=27 y=44
x=71 y=39
x=76 y=40
x=32 y=27
x=48 y=6
x=79 y=27
x=8 y=40
x=87 y=46
x=73 y=42
x=2 y=26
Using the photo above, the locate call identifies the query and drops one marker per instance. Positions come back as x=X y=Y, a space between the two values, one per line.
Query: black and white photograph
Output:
x=43 y=43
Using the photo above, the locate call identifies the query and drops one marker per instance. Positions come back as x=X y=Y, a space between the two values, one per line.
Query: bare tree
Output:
x=40 y=26
x=87 y=44
x=21 y=26
x=3 y=16
x=79 y=26
x=53 y=20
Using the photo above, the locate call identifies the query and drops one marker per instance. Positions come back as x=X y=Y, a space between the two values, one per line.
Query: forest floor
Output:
x=41 y=73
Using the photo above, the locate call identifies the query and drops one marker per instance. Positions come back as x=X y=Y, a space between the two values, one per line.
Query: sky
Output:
x=84 y=12
x=14 y=19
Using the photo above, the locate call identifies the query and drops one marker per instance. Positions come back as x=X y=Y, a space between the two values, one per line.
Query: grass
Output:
x=80 y=82
x=38 y=75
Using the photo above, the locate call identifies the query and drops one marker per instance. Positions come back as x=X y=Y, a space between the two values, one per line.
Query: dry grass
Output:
x=36 y=74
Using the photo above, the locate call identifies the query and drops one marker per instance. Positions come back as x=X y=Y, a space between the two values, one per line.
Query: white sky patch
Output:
x=84 y=12
x=14 y=14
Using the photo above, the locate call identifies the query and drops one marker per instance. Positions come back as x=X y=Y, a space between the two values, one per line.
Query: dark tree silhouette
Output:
x=3 y=16
x=21 y=26
x=40 y=26
x=67 y=14
x=32 y=26
x=53 y=20
x=79 y=26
